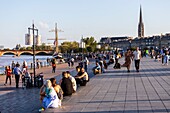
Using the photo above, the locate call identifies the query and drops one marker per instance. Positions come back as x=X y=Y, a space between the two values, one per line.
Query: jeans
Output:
x=7 y=79
x=17 y=80
x=137 y=63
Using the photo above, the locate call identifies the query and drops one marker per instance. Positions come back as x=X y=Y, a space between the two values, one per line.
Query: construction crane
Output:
x=56 y=37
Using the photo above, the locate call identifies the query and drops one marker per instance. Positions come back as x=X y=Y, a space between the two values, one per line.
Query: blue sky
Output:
x=95 y=18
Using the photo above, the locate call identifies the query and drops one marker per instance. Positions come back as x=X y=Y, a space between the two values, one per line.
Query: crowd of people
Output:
x=51 y=93
x=16 y=71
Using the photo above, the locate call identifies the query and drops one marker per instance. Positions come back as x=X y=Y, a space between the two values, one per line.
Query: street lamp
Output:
x=33 y=45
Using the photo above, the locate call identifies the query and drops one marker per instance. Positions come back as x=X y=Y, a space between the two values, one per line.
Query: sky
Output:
x=77 y=18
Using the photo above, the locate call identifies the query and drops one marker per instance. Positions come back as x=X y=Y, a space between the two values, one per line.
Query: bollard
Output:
x=31 y=65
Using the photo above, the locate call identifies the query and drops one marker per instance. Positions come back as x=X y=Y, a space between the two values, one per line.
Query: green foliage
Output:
x=22 y=48
x=90 y=44
x=68 y=47
x=38 y=48
x=29 y=48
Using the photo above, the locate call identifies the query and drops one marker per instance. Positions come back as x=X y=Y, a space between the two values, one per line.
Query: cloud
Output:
x=43 y=25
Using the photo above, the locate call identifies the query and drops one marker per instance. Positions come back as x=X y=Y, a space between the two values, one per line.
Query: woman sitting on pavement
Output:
x=50 y=99
x=83 y=78
x=72 y=80
x=66 y=85
x=57 y=89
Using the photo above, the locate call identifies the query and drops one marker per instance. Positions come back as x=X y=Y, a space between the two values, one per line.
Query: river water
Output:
x=6 y=60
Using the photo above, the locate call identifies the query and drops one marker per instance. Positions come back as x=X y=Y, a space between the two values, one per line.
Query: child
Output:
x=8 y=72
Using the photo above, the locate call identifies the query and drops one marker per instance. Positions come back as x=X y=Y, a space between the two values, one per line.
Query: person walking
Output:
x=38 y=63
x=166 y=57
x=72 y=62
x=8 y=72
x=128 y=57
x=53 y=65
x=12 y=66
x=17 y=72
x=86 y=63
x=137 y=57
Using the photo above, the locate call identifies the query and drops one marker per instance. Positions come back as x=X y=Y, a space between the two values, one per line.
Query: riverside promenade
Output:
x=115 y=91
x=118 y=91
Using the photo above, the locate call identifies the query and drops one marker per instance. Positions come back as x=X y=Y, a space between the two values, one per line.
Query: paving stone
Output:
x=115 y=91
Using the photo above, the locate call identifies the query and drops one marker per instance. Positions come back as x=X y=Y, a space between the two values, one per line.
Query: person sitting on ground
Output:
x=66 y=85
x=83 y=78
x=50 y=99
x=97 y=69
x=57 y=89
x=72 y=80
x=101 y=65
x=105 y=64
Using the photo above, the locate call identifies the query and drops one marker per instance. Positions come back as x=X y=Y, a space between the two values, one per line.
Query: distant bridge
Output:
x=20 y=52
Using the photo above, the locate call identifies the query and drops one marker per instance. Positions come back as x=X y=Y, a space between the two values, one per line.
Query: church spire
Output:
x=141 y=25
x=140 y=18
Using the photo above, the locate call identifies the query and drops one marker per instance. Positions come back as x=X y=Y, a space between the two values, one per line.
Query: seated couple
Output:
x=82 y=77
x=68 y=84
x=50 y=95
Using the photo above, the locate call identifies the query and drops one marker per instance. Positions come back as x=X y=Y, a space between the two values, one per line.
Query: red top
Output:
x=8 y=72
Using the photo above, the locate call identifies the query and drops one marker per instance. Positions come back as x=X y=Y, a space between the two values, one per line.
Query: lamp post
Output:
x=33 y=46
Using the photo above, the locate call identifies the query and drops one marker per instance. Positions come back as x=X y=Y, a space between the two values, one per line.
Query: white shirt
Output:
x=137 y=55
x=73 y=82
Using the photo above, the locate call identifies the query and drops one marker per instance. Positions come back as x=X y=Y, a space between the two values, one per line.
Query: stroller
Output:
x=26 y=81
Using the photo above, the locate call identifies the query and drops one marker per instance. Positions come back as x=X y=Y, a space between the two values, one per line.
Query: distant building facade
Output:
x=141 y=41
x=29 y=39
x=115 y=42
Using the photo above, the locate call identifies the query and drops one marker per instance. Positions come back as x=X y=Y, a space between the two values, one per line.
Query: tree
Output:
x=68 y=47
x=90 y=44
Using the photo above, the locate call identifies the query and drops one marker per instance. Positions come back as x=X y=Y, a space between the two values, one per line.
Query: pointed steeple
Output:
x=141 y=25
x=140 y=16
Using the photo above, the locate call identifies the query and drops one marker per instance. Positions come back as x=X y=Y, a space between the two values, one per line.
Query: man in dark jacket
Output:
x=66 y=85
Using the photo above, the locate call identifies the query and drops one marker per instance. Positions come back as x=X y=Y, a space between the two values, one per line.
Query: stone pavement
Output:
x=14 y=100
x=118 y=91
